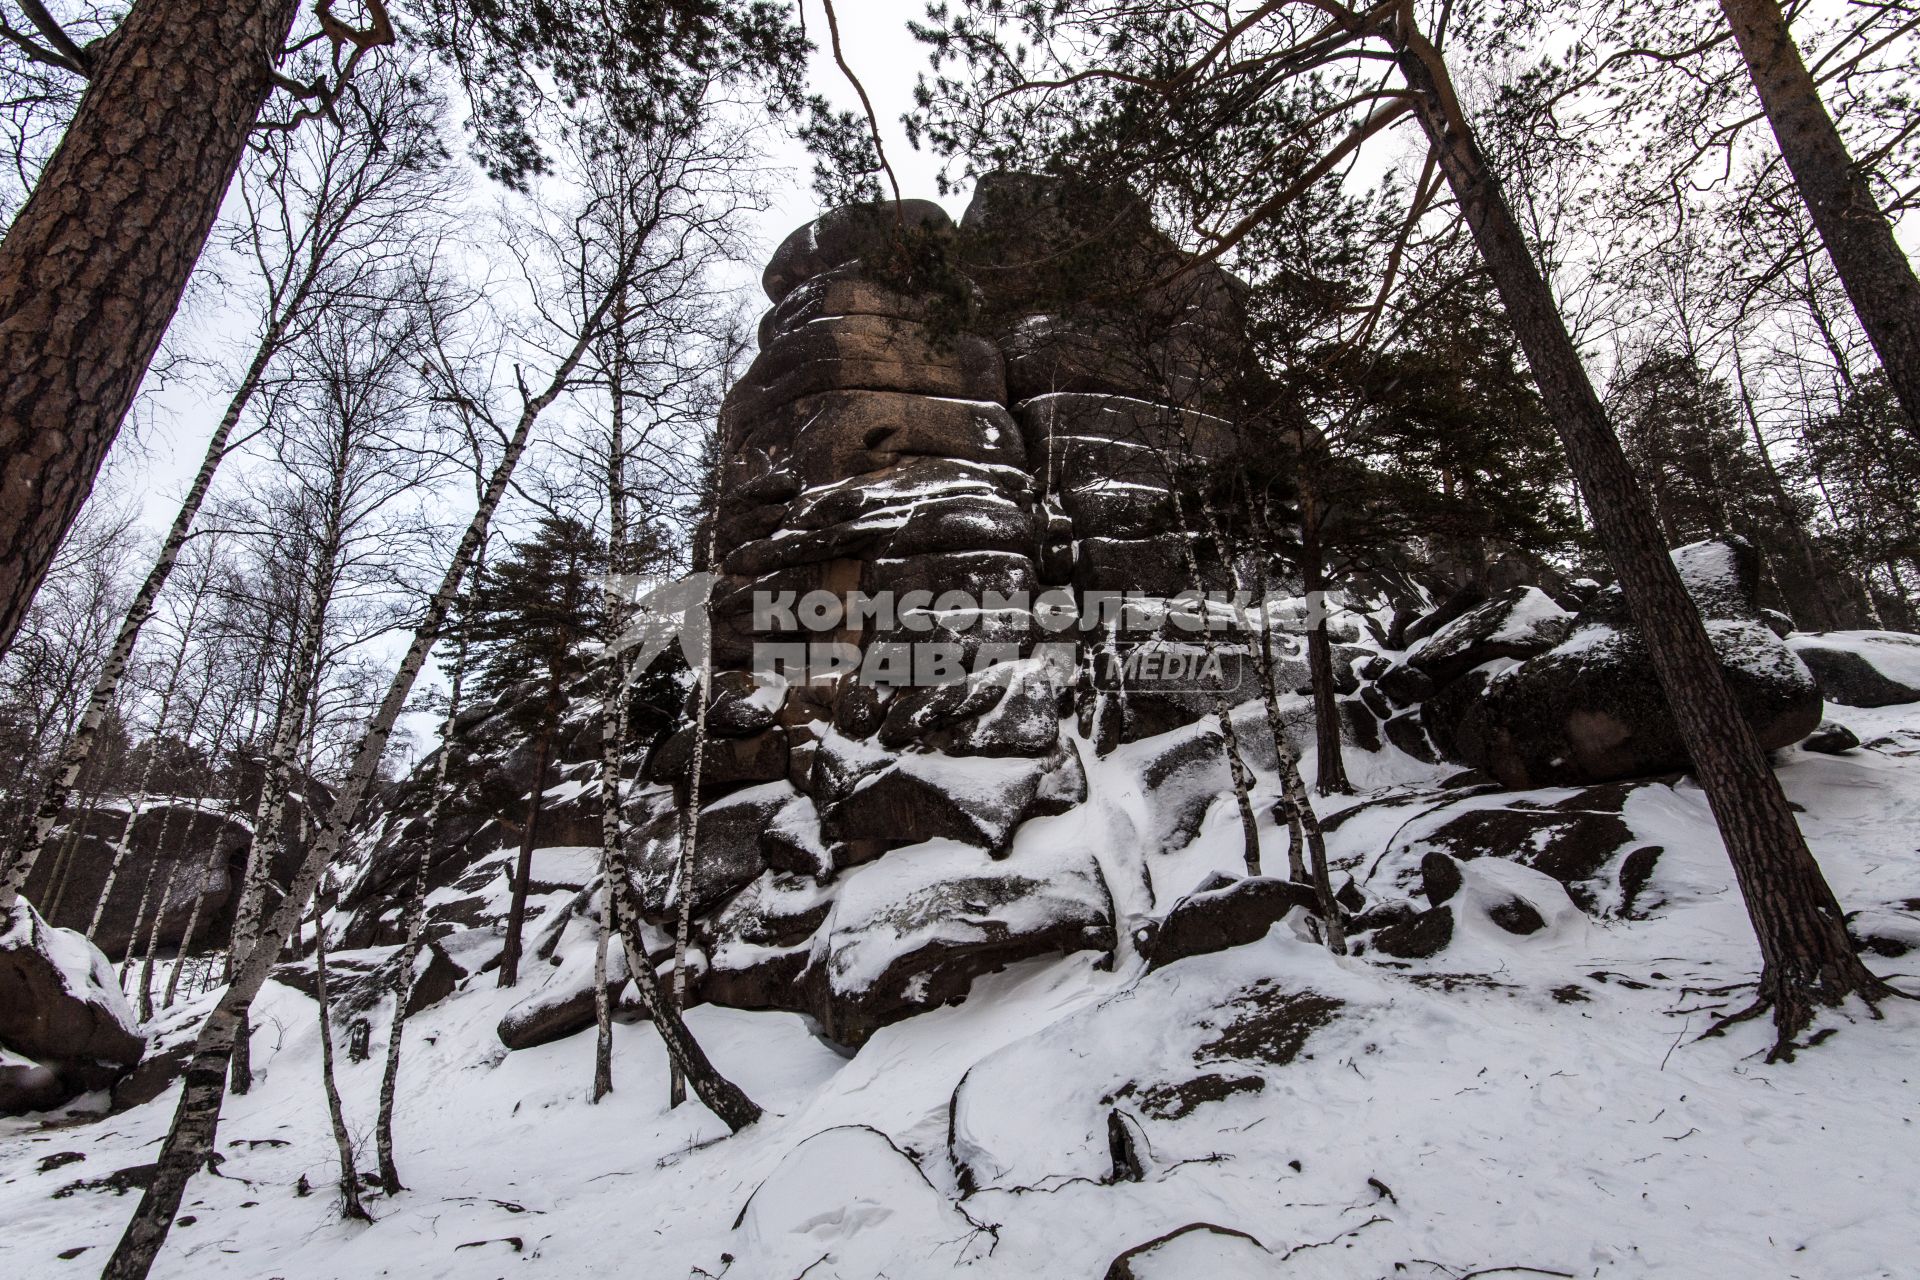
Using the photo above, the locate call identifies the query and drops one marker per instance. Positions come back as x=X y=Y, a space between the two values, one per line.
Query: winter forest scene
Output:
x=856 y=639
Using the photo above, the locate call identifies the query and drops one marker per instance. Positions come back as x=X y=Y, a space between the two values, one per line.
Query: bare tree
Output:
x=326 y=214
x=190 y=1137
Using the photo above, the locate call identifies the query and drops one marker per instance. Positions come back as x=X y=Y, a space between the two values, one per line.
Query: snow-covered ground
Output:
x=1535 y=1105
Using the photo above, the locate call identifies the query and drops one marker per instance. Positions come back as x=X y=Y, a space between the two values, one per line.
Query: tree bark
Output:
x=523 y=869
x=350 y=1206
x=690 y=830
x=1806 y=956
x=80 y=746
x=1330 y=766
x=415 y=917
x=96 y=262
x=1878 y=278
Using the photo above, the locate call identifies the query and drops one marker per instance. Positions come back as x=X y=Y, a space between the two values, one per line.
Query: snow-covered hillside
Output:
x=1534 y=1104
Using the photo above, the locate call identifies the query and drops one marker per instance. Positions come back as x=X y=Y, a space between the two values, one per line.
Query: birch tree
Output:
x=325 y=213
x=191 y=1135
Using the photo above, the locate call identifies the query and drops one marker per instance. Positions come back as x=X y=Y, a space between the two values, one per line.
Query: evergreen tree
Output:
x=536 y=611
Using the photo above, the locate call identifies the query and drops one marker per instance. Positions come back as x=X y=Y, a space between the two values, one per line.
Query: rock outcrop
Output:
x=1590 y=709
x=64 y=1025
x=985 y=445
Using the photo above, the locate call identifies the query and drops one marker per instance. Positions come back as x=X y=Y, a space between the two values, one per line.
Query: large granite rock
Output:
x=1862 y=668
x=1591 y=709
x=60 y=1008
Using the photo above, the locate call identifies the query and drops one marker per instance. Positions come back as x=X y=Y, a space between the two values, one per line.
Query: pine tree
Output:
x=537 y=610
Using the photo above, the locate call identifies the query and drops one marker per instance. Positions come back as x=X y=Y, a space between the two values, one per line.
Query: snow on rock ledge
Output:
x=61 y=1007
x=1863 y=668
x=911 y=931
x=1591 y=709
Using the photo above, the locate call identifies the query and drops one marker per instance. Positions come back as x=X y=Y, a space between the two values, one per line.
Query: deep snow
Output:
x=1539 y=1102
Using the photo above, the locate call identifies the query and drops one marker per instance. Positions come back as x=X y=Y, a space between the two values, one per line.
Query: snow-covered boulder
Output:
x=1591 y=709
x=1489 y=904
x=1862 y=668
x=61 y=1006
x=912 y=931
x=978 y=800
x=1578 y=837
x=728 y=850
x=1225 y=911
x=1197 y=1249
x=835 y=1204
x=1515 y=624
x=564 y=1002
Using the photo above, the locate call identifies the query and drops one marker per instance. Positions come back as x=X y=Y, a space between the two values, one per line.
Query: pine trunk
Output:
x=1330 y=766
x=1806 y=957
x=80 y=746
x=1858 y=238
x=99 y=256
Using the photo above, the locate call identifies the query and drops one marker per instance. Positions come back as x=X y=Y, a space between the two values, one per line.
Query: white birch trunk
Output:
x=197 y=1115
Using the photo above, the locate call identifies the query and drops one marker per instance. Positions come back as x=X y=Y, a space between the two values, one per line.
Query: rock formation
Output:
x=992 y=434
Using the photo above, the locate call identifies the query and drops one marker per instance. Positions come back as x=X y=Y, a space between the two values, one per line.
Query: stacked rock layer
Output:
x=987 y=452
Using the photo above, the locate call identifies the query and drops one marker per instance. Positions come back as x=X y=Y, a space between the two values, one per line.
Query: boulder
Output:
x=564 y=1003
x=912 y=931
x=26 y=1085
x=726 y=850
x=759 y=943
x=846 y=1194
x=1225 y=911
x=200 y=851
x=1831 y=739
x=743 y=706
x=1592 y=710
x=1580 y=840
x=975 y=800
x=1515 y=624
x=61 y=1006
x=1425 y=935
x=844 y=235
x=1862 y=668
x=759 y=758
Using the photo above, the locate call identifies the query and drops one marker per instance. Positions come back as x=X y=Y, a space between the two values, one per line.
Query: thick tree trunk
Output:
x=1878 y=278
x=80 y=746
x=1806 y=957
x=94 y=266
x=523 y=869
x=1330 y=766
